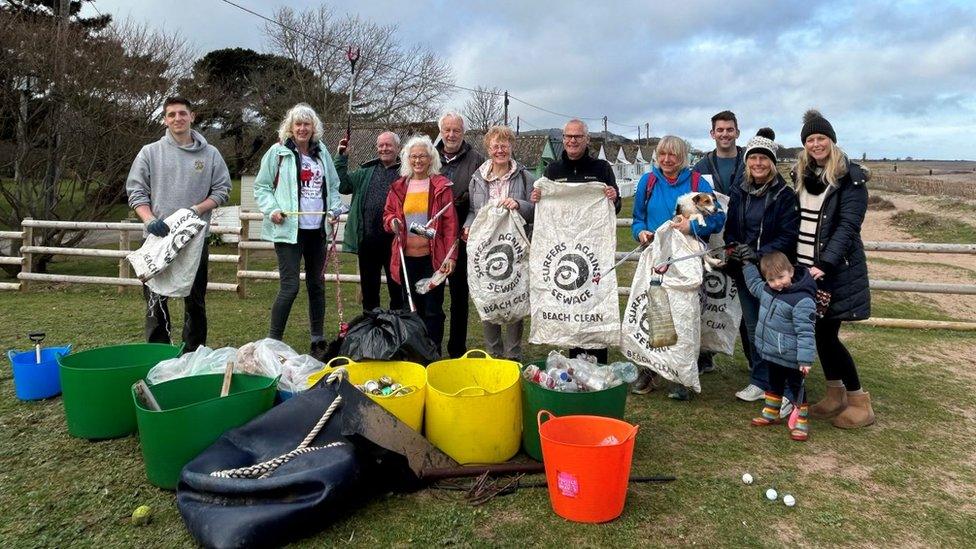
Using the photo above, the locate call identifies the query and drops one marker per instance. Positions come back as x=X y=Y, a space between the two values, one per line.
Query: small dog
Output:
x=698 y=206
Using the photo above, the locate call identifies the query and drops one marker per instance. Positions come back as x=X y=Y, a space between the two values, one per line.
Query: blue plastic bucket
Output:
x=33 y=381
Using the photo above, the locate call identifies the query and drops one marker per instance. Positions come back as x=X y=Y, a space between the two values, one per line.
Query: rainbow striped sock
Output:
x=771 y=409
x=801 y=420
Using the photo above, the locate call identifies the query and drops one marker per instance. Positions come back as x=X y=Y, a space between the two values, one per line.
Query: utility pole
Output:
x=506 y=107
x=638 y=136
x=518 y=121
x=647 y=132
x=604 y=130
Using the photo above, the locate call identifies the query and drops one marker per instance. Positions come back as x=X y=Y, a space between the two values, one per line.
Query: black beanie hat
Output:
x=814 y=122
x=763 y=143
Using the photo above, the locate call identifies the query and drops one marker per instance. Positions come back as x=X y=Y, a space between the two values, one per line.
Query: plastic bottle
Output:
x=590 y=377
x=546 y=380
x=530 y=372
x=624 y=372
x=556 y=360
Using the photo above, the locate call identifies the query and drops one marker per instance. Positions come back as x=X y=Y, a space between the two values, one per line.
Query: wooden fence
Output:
x=245 y=248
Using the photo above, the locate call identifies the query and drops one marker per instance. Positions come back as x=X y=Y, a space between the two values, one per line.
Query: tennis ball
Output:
x=142 y=515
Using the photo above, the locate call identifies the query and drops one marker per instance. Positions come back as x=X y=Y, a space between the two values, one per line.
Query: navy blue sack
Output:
x=365 y=452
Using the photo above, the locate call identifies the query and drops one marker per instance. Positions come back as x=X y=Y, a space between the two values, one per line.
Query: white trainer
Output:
x=786 y=409
x=751 y=393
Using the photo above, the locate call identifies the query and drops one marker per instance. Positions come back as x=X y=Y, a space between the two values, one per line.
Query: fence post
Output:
x=242 y=255
x=28 y=264
x=123 y=262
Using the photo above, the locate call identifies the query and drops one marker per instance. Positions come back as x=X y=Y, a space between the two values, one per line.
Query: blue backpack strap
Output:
x=695 y=178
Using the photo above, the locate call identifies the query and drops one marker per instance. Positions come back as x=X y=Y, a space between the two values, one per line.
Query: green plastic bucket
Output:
x=193 y=417
x=96 y=386
x=606 y=403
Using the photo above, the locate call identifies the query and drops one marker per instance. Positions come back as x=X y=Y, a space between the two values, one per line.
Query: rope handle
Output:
x=538 y=417
x=472 y=352
x=473 y=388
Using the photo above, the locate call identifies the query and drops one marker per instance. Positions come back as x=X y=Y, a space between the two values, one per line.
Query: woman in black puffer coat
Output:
x=833 y=200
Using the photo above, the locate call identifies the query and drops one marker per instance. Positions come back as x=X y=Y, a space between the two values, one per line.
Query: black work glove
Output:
x=745 y=254
x=157 y=227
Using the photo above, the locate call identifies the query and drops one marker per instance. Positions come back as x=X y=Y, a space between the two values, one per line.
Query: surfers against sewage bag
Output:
x=498 y=264
x=721 y=311
x=574 y=241
x=168 y=264
x=681 y=281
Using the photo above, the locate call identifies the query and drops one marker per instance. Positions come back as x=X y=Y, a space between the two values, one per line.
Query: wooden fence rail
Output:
x=245 y=247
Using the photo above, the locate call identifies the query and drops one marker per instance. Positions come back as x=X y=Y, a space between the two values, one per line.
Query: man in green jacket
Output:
x=364 y=234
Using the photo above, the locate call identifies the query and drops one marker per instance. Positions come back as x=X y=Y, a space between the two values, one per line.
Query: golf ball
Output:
x=789 y=500
x=747 y=478
x=771 y=494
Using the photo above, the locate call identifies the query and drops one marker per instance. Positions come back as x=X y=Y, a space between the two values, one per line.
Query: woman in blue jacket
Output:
x=764 y=215
x=654 y=203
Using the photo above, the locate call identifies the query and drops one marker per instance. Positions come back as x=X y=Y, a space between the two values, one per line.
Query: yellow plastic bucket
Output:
x=474 y=408
x=408 y=408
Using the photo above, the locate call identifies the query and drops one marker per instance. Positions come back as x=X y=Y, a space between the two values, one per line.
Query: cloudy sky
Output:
x=895 y=79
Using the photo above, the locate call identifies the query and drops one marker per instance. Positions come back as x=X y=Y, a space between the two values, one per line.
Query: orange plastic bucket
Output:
x=587 y=460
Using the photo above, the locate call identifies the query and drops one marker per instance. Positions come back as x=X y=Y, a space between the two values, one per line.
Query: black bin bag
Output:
x=382 y=334
x=363 y=452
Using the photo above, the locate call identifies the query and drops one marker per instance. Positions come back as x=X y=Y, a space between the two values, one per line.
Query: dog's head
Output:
x=704 y=203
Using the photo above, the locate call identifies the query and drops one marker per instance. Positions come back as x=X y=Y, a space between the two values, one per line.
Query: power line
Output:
x=404 y=72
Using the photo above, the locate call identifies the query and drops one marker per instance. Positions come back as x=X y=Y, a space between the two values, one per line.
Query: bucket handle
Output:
x=10 y=355
x=473 y=388
x=346 y=361
x=538 y=417
x=473 y=352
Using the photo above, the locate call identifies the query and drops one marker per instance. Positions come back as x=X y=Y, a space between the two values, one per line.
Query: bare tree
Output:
x=484 y=108
x=91 y=100
x=393 y=83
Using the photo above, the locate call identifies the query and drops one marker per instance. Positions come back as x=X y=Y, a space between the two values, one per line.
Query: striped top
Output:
x=415 y=208
x=810 y=207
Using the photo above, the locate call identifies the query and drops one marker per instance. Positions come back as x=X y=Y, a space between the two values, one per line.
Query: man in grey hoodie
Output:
x=181 y=170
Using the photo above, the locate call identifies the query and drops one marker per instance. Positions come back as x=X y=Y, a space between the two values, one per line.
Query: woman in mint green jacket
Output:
x=297 y=181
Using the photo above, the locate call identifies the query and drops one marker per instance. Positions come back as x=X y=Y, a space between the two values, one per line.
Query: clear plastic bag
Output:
x=295 y=372
x=202 y=361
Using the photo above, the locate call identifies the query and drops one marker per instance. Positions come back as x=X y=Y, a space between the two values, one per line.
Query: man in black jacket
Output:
x=576 y=165
x=458 y=162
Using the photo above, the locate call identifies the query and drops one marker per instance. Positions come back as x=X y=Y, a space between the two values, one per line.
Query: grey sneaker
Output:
x=706 y=363
x=751 y=393
x=645 y=383
x=785 y=409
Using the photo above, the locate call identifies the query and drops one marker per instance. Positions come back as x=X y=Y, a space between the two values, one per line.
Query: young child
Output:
x=784 y=334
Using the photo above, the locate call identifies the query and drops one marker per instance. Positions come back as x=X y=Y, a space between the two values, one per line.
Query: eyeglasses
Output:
x=500 y=147
x=419 y=156
x=567 y=137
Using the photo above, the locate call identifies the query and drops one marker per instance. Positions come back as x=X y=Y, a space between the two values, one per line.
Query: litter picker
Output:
x=427 y=230
x=403 y=263
x=353 y=56
x=36 y=338
x=596 y=279
x=662 y=268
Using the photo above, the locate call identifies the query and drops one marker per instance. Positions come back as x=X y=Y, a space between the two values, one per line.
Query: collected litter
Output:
x=385 y=386
x=581 y=374
x=265 y=357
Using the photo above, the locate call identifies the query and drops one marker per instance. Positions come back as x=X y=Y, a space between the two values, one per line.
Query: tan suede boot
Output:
x=857 y=414
x=831 y=405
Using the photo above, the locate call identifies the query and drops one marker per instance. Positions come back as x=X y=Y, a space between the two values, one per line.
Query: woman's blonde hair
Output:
x=676 y=146
x=496 y=133
x=419 y=140
x=301 y=112
x=835 y=168
x=772 y=173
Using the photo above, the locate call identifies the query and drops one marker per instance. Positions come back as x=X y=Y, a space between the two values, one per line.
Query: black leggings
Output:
x=782 y=378
x=836 y=361
x=311 y=247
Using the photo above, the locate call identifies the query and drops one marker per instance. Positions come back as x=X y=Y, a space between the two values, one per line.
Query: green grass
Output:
x=932 y=228
x=907 y=480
